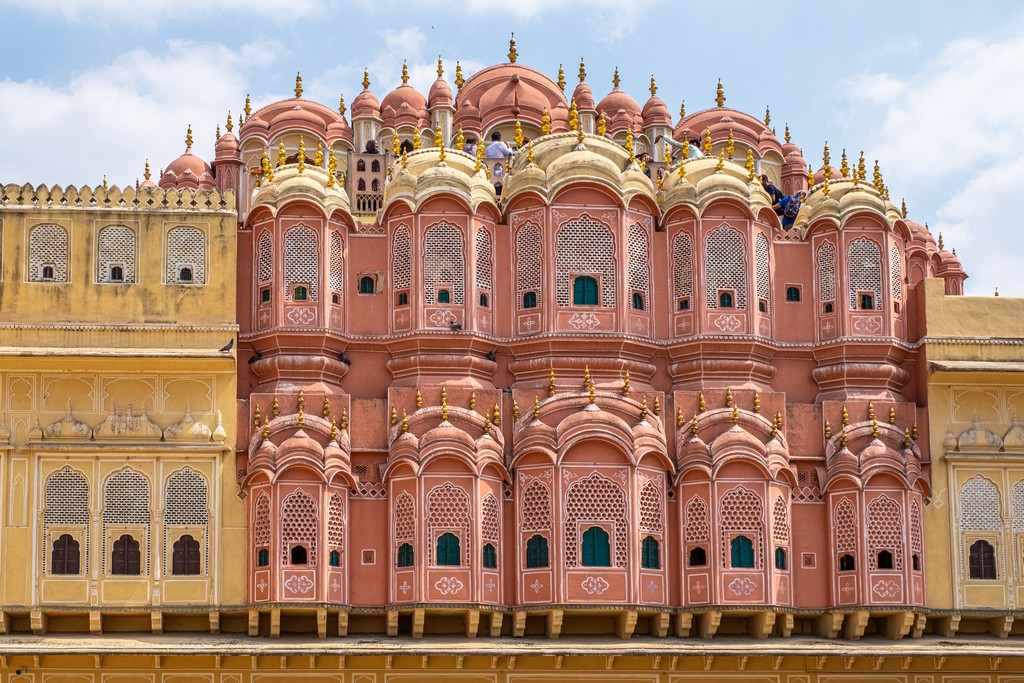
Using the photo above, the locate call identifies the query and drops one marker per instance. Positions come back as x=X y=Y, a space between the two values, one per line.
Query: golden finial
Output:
x=508 y=165
x=496 y=416
x=871 y=410
x=230 y=125
x=720 y=94
x=519 y=134
x=625 y=383
x=757 y=402
x=416 y=140
x=682 y=169
x=824 y=187
x=828 y=430
x=405 y=73
x=643 y=409
x=786 y=137
x=515 y=409
x=529 y=152
x=702 y=405
x=735 y=414
x=458 y=76
x=615 y=78
x=844 y=166
x=302 y=155
x=877 y=177
x=276 y=408
x=561 y=78
x=775 y=428
x=730 y=144
x=341 y=105
x=592 y=392
x=892 y=415
x=874 y=428
x=396 y=145
x=913 y=431
x=326 y=411
x=906 y=437
x=419 y=399
x=460 y=140
x=512 y=54
x=586 y=376
x=318 y=158
x=728 y=398
x=707 y=142
x=248 y=106
x=282 y=157
x=257 y=418
x=842 y=437
x=668 y=156
x=778 y=418
x=472 y=401
x=366 y=79
x=487 y=427
x=826 y=159
x=810 y=175
x=629 y=145
x=903 y=208
x=188 y=137
x=694 y=425
x=266 y=428
x=298 y=84
x=750 y=165
x=657 y=406
x=444 y=403
x=551 y=383
x=405 y=421
x=679 y=418
x=602 y=125
x=654 y=87
x=394 y=416
x=146 y=174
x=332 y=169
x=583 y=71
x=721 y=161
x=574 y=117
x=216 y=133
x=682 y=109
x=941 y=245
x=334 y=429
x=302 y=417
x=479 y=155
x=440 y=67
x=767 y=117
x=341 y=176
x=536 y=408
x=302 y=399
x=438 y=138
x=861 y=168
x=344 y=418
x=846 y=417
x=545 y=122
x=265 y=166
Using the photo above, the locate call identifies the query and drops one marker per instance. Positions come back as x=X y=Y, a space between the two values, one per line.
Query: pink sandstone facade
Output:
x=616 y=397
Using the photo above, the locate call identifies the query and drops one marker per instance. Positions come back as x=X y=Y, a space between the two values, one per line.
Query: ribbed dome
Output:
x=365 y=105
x=615 y=101
x=656 y=112
x=405 y=105
x=506 y=92
x=187 y=171
x=440 y=93
x=227 y=147
x=583 y=96
x=299 y=117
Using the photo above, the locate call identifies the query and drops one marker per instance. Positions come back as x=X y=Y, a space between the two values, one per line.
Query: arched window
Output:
x=915 y=562
x=725 y=300
x=185 y=275
x=360 y=165
x=405 y=555
x=403 y=299
x=300 y=293
x=367 y=285
x=650 y=558
x=536 y=552
x=584 y=291
x=638 y=301
x=846 y=563
x=126 y=558
x=698 y=557
x=448 y=553
x=116 y=274
x=444 y=297
x=47 y=273
x=334 y=559
x=66 y=556
x=530 y=300
x=263 y=558
x=299 y=555
x=375 y=185
x=115 y=251
x=983 y=560
x=742 y=552
x=884 y=560
x=185 y=559
x=186 y=255
x=375 y=166
x=793 y=294
x=48 y=253
x=780 y=559
x=360 y=185
x=490 y=556
x=483 y=300
x=596 y=550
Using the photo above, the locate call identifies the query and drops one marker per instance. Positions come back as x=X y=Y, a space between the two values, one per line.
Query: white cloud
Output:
x=109 y=119
x=151 y=11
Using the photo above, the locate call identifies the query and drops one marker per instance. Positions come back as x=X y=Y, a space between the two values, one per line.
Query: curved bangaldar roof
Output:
x=296 y=113
x=506 y=92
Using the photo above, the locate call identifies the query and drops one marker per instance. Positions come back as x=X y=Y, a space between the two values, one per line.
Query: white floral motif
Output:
x=742 y=586
x=584 y=321
x=262 y=585
x=536 y=585
x=405 y=587
x=335 y=586
x=868 y=324
x=402 y=318
x=491 y=585
x=886 y=589
x=301 y=316
x=652 y=586
x=528 y=323
x=441 y=318
x=728 y=323
x=299 y=584
x=698 y=587
x=448 y=585
x=594 y=585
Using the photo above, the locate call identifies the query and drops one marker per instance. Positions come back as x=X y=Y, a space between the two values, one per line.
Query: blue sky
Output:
x=934 y=90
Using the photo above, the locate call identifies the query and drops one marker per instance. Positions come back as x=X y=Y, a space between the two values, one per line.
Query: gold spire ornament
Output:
x=496 y=415
x=472 y=401
x=810 y=176
x=458 y=76
x=440 y=67
x=654 y=87
x=587 y=381
x=682 y=109
x=903 y=208
x=334 y=429
x=394 y=416
x=602 y=125
x=188 y=137
x=438 y=138
x=512 y=53
x=721 y=161
x=625 y=383
x=846 y=417
x=266 y=428
x=326 y=410
x=877 y=176
x=730 y=145
x=536 y=408
x=257 y=418
x=416 y=140
x=825 y=188
x=906 y=437
x=735 y=415
x=844 y=166
x=341 y=105
x=298 y=85
x=405 y=421
x=366 y=79
x=583 y=71
x=757 y=402
x=405 y=159
x=720 y=94
x=892 y=415
x=826 y=159
x=786 y=136
x=519 y=134
x=405 y=73
x=702 y=405
x=643 y=410
x=680 y=421
x=551 y=383
x=318 y=158
x=861 y=168
x=344 y=418
x=248 y=106
x=529 y=152
x=694 y=425
x=460 y=140
x=479 y=155
x=615 y=79
x=396 y=145
x=657 y=406
x=767 y=117
x=216 y=134
x=707 y=142
x=668 y=156
x=751 y=174
x=268 y=172
x=515 y=409
x=729 y=403
x=419 y=399
x=282 y=156
x=545 y=122
x=629 y=145
x=871 y=410
x=574 y=117
x=561 y=78
x=444 y=404
x=230 y=125
x=302 y=155
x=828 y=430
x=332 y=169
x=146 y=174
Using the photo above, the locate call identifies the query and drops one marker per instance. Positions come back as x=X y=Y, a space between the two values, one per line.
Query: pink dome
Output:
x=187 y=171
x=405 y=105
x=298 y=117
x=615 y=101
x=656 y=112
x=440 y=93
x=720 y=120
x=584 y=97
x=506 y=92
x=227 y=147
x=365 y=105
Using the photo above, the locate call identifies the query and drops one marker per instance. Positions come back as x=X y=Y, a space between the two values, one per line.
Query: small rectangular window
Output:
x=792 y=294
x=684 y=304
x=402 y=299
x=265 y=295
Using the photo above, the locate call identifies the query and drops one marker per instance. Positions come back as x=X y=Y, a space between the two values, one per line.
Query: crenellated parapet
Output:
x=114 y=197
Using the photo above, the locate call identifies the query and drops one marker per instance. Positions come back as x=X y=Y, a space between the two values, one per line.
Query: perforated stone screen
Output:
x=895 y=273
x=742 y=511
x=885 y=531
x=483 y=259
x=115 y=246
x=585 y=247
x=66 y=502
x=725 y=266
x=780 y=520
x=915 y=527
x=651 y=508
x=827 y=272
x=336 y=522
x=301 y=261
x=186 y=248
x=639 y=270
x=405 y=520
x=261 y=521
x=126 y=501
x=846 y=527
x=401 y=267
x=48 y=246
x=448 y=510
x=762 y=269
x=536 y=509
x=979 y=505
x=299 y=525
x=528 y=265
x=682 y=265
x=265 y=258
x=696 y=526
x=444 y=262
x=864 y=265
x=595 y=500
x=336 y=273
x=489 y=517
